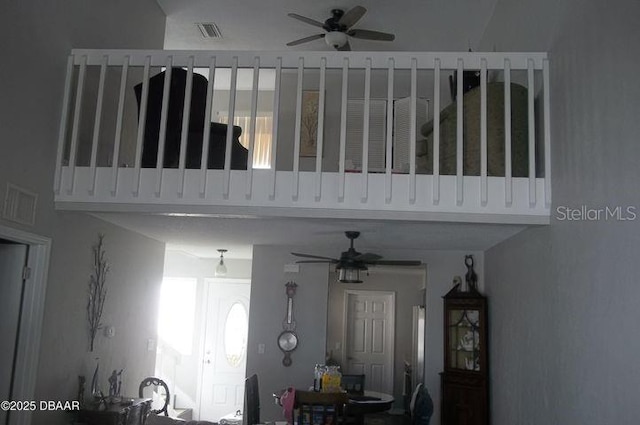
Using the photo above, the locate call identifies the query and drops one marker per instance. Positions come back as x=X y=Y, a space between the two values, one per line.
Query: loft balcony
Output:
x=387 y=135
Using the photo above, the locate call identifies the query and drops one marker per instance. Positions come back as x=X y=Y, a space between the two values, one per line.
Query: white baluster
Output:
x=64 y=119
x=206 y=130
x=96 y=125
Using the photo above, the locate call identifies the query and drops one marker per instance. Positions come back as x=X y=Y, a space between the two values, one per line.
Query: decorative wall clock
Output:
x=288 y=340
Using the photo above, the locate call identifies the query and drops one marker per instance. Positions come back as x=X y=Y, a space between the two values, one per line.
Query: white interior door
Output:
x=369 y=337
x=13 y=259
x=225 y=349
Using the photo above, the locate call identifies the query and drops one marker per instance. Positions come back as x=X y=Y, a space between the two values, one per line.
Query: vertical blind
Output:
x=262 y=143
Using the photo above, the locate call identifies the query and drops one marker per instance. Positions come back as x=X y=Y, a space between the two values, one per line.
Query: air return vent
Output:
x=20 y=205
x=209 y=30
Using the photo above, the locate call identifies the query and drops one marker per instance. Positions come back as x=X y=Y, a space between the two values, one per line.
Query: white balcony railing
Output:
x=472 y=159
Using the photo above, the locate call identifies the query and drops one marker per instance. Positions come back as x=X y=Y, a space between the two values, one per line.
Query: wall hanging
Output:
x=97 y=290
x=288 y=340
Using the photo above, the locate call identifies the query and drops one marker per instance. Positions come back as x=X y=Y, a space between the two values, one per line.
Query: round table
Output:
x=370 y=402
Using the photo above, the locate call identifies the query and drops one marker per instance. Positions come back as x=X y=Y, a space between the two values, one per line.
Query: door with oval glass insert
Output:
x=224 y=349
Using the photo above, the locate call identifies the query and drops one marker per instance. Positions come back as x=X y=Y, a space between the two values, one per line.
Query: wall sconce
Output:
x=221 y=269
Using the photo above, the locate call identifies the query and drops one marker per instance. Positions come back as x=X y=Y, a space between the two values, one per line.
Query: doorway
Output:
x=369 y=333
x=224 y=348
x=201 y=353
x=13 y=261
x=24 y=263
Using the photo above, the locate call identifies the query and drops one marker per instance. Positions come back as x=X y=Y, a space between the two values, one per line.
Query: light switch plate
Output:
x=292 y=268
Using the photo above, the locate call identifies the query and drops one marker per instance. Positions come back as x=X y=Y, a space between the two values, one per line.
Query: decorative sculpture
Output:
x=113 y=384
x=118 y=391
x=471 y=277
x=95 y=386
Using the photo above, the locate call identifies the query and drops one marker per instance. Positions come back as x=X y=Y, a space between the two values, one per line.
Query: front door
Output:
x=225 y=348
x=369 y=337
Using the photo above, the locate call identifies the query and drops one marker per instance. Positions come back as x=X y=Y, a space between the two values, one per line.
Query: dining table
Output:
x=360 y=404
x=368 y=403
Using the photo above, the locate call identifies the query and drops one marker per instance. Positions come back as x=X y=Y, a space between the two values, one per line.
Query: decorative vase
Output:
x=95 y=385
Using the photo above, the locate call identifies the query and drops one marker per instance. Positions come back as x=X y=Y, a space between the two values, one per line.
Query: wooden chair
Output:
x=353 y=384
x=321 y=408
x=251 y=400
x=421 y=406
x=157 y=382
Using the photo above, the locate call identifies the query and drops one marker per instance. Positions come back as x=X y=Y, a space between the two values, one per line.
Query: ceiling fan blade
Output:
x=371 y=35
x=306 y=20
x=397 y=263
x=317 y=257
x=352 y=16
x=316 y=261
x=345 y=48
x=304 y=40
x=367 y=257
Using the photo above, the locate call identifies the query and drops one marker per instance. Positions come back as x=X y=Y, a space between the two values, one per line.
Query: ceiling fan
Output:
x=351 y=262
x=339 y=27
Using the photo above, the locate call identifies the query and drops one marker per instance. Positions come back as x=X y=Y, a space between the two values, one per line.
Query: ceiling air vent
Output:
x=20 y=205
x=209 y=30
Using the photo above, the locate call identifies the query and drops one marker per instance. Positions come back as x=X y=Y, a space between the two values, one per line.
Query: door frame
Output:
x=392 y=296
x=27 y=355
x=205 y=314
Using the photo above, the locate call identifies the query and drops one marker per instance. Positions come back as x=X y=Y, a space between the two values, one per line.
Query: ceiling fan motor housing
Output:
x=333 y=23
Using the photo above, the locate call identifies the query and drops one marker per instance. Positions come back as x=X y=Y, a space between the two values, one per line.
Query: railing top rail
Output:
x=334 y=59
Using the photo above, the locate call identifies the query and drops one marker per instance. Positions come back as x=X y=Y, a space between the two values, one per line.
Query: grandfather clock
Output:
x=464 y=381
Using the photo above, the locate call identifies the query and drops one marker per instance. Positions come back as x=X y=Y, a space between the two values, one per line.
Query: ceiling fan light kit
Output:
x=336 y=39
x=338 y=29
x=349 y=275
x=351 y=262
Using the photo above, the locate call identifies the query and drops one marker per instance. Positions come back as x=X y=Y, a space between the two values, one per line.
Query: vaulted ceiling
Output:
x=419 y=25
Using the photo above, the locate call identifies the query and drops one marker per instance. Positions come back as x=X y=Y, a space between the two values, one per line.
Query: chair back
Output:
x=157 y=382
x=174 y=114
x=353 y=384
x=196 y=120
x=251 y=401
x=315 y=408
x=421 y=406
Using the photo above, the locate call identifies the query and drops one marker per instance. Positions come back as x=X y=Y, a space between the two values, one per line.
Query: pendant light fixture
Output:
x=221 y=269
x=350 y=273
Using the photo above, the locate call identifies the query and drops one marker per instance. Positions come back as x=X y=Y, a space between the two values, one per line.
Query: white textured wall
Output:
x=268 y=310
x=35 y=40
x=131 y=307
x=564 y=298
